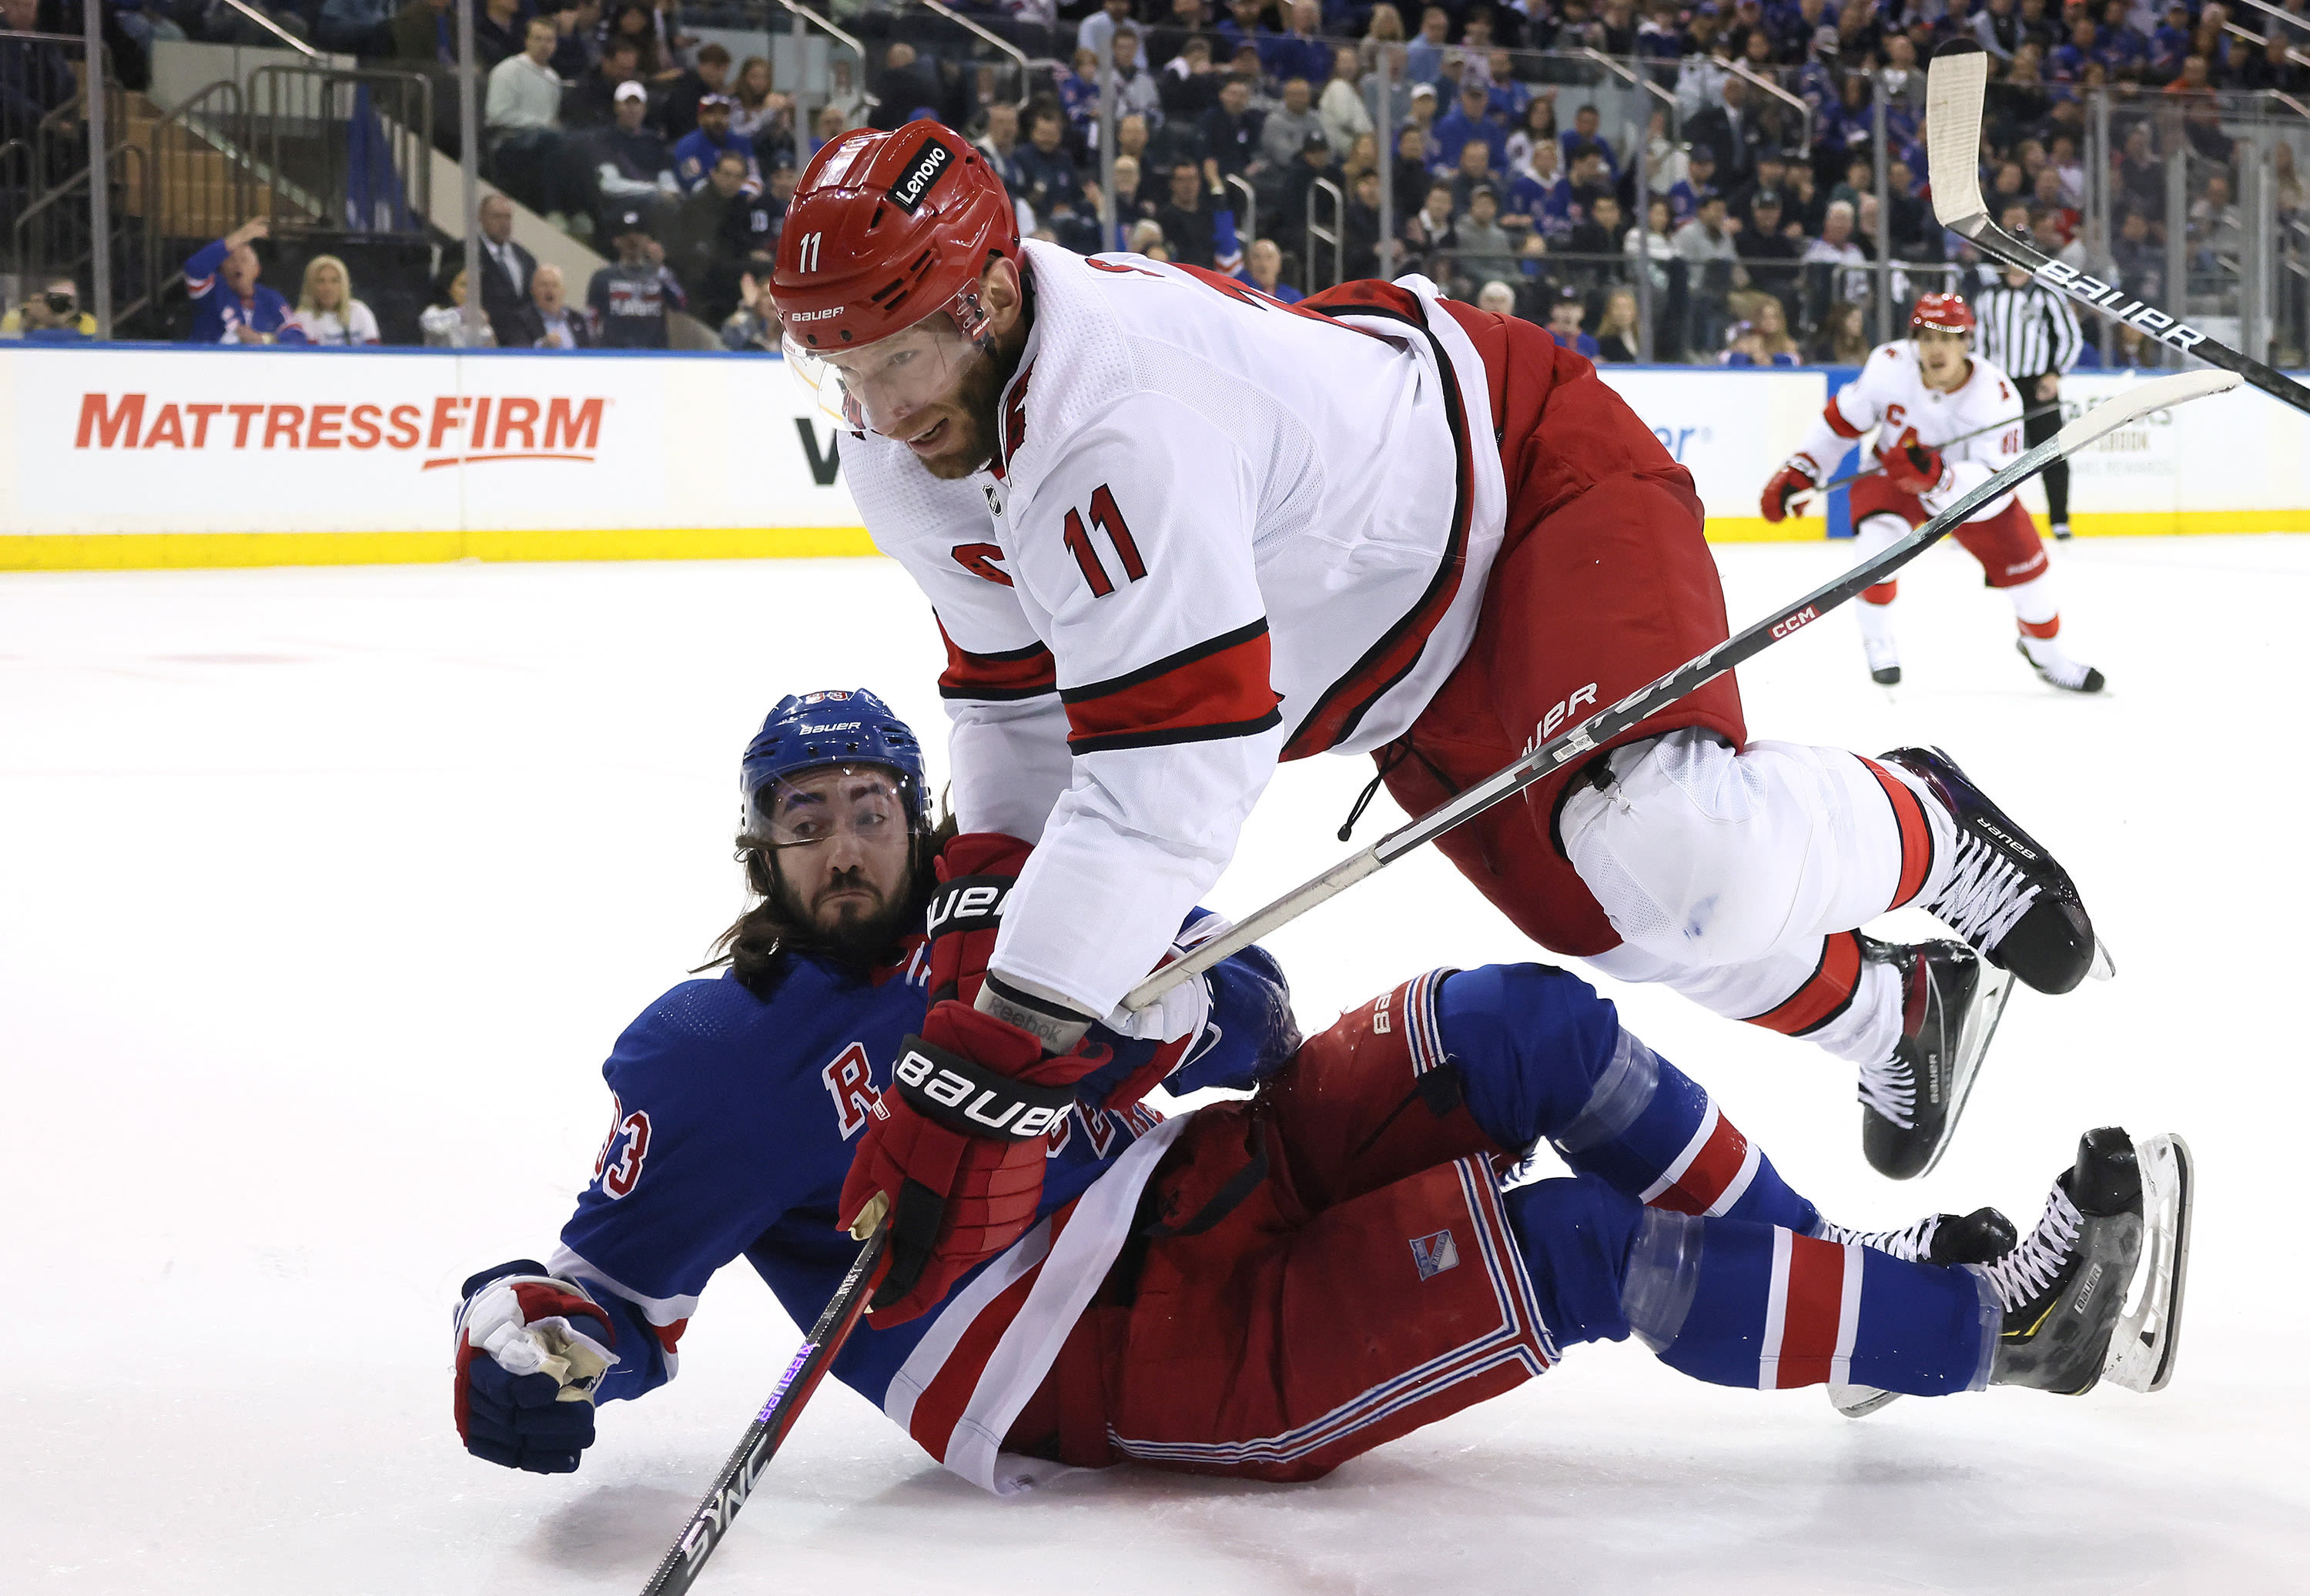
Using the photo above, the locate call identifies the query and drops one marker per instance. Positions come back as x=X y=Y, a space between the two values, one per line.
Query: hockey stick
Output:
x=1604 y=724
x=714 y=1514
x=1955 y=86
x=1826 y=489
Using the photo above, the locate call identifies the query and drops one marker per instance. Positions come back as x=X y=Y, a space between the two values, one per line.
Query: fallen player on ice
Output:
x=1264 y=1287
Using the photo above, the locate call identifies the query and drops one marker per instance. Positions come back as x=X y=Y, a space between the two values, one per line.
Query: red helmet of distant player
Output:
x=1943 y=313
x=885 y=240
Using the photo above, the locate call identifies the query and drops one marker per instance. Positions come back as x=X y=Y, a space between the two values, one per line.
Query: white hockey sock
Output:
x=2034 y=607
x=1876 y=633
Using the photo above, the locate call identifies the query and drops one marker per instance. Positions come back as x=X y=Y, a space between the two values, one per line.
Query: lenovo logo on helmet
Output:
x=930 y=165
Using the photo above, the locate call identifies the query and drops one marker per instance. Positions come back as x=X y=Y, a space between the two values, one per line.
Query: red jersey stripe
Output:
x=1826 y=993
x=1916 y=835
x=1837 y=422
x=1219 y=688
x=1814 y=1311
x=1020 y=673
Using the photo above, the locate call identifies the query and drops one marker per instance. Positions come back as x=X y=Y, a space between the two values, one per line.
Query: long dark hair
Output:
x=756 y=944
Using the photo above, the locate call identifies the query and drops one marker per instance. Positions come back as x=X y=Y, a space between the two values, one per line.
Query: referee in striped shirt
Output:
x=2029 y=333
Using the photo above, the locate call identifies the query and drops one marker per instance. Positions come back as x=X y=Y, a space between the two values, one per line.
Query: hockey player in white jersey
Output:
x=1937 y=408
x=1175 y=531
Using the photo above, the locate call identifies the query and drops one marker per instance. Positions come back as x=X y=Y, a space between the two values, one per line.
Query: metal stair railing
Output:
x=310 y=139
x=804 y=116
x=1020 y=62
x=53 y=215
x=1335 y=235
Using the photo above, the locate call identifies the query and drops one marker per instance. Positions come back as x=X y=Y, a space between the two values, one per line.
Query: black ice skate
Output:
x=2063 y=1288
x=2055 y=668
x=1951 y=1000
x=1944 y=1239
x=1884 y=663
x=2003 y=893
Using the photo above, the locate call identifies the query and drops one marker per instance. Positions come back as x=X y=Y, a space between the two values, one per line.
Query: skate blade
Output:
x=1859 y=1401
x=2144 y=1346
x=1989 y=999
x=2104 y=968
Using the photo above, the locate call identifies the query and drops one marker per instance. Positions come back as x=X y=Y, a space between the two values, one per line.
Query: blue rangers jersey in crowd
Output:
x=734 y=1122
x=218 y=314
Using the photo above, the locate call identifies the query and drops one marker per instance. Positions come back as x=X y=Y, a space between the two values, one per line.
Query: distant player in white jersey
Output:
x=1175 y=531
x=1937 y=409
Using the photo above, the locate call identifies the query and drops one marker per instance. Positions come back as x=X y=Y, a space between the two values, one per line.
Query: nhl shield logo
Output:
x=1433 y=1255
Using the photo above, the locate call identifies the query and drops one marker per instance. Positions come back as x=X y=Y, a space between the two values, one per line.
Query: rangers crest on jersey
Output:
x=1433 y=1255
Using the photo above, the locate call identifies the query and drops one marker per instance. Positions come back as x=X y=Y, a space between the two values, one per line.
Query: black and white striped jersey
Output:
x=2027 y=331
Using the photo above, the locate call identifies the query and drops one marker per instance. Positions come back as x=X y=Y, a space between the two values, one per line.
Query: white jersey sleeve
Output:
x=1853 y=410
x=1008 y=756
x=1135 y=546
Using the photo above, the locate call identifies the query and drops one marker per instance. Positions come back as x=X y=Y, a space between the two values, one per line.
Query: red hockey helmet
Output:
x=885 y=231
x=1943 y=313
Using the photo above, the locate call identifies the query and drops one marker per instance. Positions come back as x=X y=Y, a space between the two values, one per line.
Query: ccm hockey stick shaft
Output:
x=1582 y=740
x=1955 y=86
x=1826 y=489
x=719 y=1509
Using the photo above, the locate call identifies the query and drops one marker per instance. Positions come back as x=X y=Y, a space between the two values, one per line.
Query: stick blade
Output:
x=1955 y=86
x=2131 y=403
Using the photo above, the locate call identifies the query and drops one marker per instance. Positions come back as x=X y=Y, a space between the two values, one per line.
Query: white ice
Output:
x=323 y=893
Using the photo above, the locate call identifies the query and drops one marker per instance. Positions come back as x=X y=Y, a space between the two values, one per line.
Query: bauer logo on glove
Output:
x=939 y=1083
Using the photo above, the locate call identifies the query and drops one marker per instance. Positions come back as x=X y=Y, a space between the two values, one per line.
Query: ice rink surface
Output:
x=323 y=894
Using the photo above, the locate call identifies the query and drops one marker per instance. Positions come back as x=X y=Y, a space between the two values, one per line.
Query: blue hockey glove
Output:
x=531 y=1351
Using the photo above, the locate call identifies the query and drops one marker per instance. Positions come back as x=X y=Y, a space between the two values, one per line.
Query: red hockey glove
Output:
x=1800 y=475
x=1913 y=467
x=957 y=1151
x=975 y=872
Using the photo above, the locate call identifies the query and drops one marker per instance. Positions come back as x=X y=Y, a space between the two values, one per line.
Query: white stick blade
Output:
x=2130 y=404
x=1955 y=85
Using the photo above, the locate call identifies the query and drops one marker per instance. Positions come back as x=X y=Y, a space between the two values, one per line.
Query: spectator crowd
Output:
x=1748 y=220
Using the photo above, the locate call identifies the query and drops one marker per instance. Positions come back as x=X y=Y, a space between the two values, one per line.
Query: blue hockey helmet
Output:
x=812 y=731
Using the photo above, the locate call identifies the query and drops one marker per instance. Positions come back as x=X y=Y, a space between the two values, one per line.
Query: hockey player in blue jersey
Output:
x=1265 y=1286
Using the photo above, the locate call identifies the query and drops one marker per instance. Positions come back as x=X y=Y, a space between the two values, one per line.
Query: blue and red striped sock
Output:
x=1737 y=1303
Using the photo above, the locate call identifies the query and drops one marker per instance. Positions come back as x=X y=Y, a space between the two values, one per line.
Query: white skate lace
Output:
x=1986 y=894
x=2026 y=1272
x=1911 y=1243
x=1888 y=1088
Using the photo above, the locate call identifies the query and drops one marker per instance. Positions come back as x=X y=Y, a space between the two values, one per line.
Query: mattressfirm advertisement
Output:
x=163 y=457
x=509 y=456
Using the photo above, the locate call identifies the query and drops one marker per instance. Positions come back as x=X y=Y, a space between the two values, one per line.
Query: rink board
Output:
x=162 y=455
